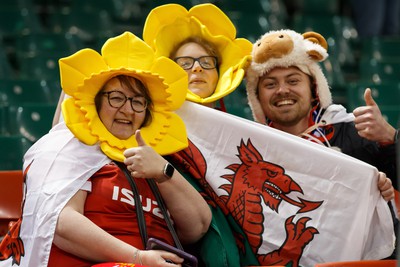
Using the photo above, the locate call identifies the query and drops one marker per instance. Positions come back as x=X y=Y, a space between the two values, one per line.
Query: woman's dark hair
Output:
x=135 y=85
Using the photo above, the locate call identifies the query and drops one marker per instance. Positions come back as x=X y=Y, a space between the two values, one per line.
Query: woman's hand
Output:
x=190 y=211
x=158 y=258
x=142 y=161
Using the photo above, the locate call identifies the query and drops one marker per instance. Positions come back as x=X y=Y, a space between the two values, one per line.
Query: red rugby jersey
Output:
x=111 y=206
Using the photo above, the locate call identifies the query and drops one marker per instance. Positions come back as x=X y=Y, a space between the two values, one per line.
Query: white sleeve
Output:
x=87 y=186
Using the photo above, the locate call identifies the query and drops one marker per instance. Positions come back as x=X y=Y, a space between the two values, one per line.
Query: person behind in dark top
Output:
x=287 y=90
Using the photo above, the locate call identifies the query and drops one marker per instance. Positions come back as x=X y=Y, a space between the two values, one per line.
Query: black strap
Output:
x=139 y=207
x=163 y=208
x=138 y=203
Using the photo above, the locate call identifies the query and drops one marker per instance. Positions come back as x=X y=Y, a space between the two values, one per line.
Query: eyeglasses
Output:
x=206 y=62
x=117 y=99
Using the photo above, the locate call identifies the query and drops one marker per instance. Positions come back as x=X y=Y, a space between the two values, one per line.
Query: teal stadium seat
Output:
x=6 y=69
x=250 y=26
x=386 y=95
x=60 y=44
x=379 y=71
x=381 y=48
x=86 y=25
x=391 y=114
x=254 y=18
x=13 y=149
x=34 y=120
x=38 y=66
x=14 y=93
x=18 y=91
x=15 y=21
x=186 y=3
x=314 y=7
x=256 y=6
x=236 y=103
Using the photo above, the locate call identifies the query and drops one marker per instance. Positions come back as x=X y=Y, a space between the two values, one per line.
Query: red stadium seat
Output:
x=10 y=198
x=364 y=263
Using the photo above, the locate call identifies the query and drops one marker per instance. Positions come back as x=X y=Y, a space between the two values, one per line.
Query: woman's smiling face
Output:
x=122 y=122
x=202 y=82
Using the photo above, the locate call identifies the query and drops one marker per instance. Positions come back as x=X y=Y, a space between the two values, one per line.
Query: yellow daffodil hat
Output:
x=163 y=31
x=84 y=73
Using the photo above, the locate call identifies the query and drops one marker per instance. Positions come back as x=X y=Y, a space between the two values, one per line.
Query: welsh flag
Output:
x=299 y=203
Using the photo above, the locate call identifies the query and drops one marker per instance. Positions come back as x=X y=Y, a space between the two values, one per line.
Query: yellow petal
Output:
x=164 y=32
x=78 y=67
x=127 y=51
x=214 y=19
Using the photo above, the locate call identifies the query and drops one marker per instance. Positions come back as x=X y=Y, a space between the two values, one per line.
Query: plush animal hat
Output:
x=287 y=48
x=84 y=73
x=164 y=31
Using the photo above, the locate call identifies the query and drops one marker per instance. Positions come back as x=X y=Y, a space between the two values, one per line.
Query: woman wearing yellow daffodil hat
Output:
x=79 y=208
x=203 y=40
x=168 y=34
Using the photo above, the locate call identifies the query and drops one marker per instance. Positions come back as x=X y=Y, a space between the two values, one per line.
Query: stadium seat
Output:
x=130 y=12
x=251 y=7
x=387 y=94
x=10 y=198
x=92 y=5
x=15 y=4
x=364 y=263
x=327 y=26
x=236 y=103
x=16 y=92
x=34 y=120
x=380 y=48
x=152 y=4
x=6 y=69
x=314 y=7
x=13 y=149
x=38 y=66
x=379 y=71
x=15 y=21
x=391 y=114
x=60 y=44
x=249 y=26
x=255 y=7
x=86 y=25
x=254 y=18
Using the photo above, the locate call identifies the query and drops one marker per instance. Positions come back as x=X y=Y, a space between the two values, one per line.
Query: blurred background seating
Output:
x=13 y=149
x=35 y=34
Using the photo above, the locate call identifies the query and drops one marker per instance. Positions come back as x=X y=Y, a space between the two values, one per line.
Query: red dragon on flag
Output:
x=255 y=181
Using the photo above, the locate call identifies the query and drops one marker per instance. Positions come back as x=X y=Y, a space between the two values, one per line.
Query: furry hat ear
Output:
x=316 y=38
x=286 y=48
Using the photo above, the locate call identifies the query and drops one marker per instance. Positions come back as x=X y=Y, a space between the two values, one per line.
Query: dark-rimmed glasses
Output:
x=117 y=99
x=206 y=62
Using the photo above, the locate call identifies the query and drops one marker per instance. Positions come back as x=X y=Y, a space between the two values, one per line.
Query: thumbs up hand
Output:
x=370 y=123
x=142 y=161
